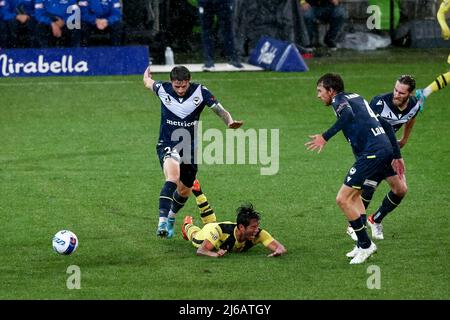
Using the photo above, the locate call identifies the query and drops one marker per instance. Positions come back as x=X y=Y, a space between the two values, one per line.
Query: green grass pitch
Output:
x=79 y=153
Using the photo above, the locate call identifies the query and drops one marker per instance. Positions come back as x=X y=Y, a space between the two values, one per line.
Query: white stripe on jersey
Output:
x=395 y=119
x=184 y=107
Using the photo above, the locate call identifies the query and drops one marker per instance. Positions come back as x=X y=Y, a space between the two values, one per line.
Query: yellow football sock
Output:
x=206 y=212
x=439 y=83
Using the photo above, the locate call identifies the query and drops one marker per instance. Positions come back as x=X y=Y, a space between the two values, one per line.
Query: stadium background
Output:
x=78 y=153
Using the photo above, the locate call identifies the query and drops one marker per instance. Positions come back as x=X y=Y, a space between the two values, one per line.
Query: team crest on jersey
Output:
x=167 y=100
x=214 y=236
x=196 y=101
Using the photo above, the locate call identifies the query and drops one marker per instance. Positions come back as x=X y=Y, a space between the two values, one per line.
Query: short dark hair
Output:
x=331 y=81
x=408 y=80
x=180 y=73
x=246 y=213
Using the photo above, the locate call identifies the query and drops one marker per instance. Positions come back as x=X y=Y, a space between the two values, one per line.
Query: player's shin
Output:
x=206 y=212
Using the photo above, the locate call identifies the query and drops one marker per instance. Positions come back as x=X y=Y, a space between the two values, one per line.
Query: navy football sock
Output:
x=390 y=202
x=165 y=198
x=178 y=202
x=360 y=230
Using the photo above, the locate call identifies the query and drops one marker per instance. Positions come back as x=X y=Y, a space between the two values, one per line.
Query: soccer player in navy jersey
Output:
x=398 y=108
x=181 y=105
x=375 y=148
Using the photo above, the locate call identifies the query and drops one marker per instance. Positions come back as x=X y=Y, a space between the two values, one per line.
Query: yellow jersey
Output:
x=223 y=236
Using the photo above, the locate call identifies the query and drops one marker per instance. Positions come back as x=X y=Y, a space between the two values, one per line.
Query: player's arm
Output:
x=318 y=141
x=226 y=116
x=445 y=6
x=207 y=249
x=270 y=243
x=148 y=81
x=406 y=132
x=277 y=249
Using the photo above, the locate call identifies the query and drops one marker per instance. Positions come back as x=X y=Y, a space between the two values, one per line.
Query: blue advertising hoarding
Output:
x=73 y=61
x=276 y=55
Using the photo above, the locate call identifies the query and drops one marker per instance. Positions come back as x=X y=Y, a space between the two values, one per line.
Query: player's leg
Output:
x=181 y=194
x=172 y=173
x=439 y=83
x=392 y=199
x=368 y=191
x=206 y=211
x=189 y=231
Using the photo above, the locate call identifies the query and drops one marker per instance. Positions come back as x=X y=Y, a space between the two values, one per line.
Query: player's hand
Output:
x=56 y=30
x=399 y=167
x=235 y=124
x=221 y=253
x=317 y=142
x=280 y=250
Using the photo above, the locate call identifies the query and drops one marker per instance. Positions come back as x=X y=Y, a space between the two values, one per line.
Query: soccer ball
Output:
x=65 y=242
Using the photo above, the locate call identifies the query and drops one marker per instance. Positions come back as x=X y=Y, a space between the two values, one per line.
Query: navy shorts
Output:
x=369 y=170
x=188 y=171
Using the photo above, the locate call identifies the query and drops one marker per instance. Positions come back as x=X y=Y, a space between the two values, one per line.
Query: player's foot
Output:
x=420 y=98
x=351 y=233
x=187 y=220
x=352 y=254
x=196 y=186
x=170 y=227
x=363 y=254
x=209 y=67
x=377 y=228
x=162 y=231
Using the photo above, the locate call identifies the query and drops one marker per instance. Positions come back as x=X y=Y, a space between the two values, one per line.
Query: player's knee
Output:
x=401 y=190
x=341 y=201
x=184 y=191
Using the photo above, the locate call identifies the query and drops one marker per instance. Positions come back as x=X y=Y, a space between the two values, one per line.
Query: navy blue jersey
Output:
x=383 y=106
x=181 y=112
x=359 y=124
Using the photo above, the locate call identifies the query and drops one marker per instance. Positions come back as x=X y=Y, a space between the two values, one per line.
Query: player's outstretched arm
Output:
x=148 y=81
x=226 y=117
x=206 y=249
x=277 y=249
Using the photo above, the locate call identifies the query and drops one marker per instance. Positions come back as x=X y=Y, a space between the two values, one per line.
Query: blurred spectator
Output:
x=58 y=23
x=101 y=16
x=3 y=34
x=327 y=12
x=20 y=23
x=223 y=9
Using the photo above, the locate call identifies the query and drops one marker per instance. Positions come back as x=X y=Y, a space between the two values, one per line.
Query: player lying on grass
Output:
x=216 y=239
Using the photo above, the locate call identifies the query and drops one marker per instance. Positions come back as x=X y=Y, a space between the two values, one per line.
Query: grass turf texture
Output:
x=79 y=153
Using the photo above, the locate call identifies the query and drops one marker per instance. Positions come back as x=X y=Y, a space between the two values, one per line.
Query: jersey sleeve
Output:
x=376 y=104
x=209 y=99
x=156 y=86
x=263 y=237
x=344 y=114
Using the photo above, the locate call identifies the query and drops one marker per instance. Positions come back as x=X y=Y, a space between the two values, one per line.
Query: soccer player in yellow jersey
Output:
x=442 y=80
x=216 y=239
